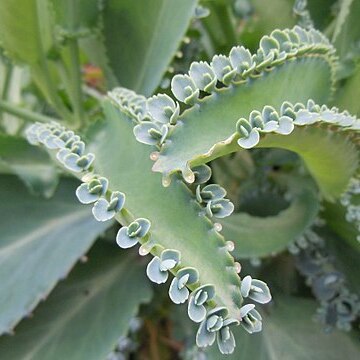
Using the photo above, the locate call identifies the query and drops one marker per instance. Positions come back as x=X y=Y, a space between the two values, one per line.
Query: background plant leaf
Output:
x=264 y=19
x=144 y=34
x=335 y=216
x=262 y=236
x=348 y=96
x=21 y=32
x=32 y=164
x=40 y=242
x=85 y=13
x=290 y=333
x=87 y=313
x=347 y=31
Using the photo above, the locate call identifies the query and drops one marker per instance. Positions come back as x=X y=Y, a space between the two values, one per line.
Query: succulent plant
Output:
x=248 y=153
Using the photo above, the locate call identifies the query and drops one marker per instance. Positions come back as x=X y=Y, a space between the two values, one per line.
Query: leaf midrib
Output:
x=46 y=228
x=106 y=282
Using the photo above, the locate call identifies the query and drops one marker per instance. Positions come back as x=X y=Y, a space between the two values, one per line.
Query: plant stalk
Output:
x=22 y=113
x=75 y=67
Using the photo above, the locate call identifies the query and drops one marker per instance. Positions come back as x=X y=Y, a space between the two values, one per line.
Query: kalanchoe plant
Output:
x=214 y=153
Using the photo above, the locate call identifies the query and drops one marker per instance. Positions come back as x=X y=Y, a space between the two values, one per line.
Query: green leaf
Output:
x=141 y=38
x=348 y=96
x=87 y=313
x=321 y=12
x=220 y=25
x=264 y=19
x=27 y=36
x=330 y=150
x=347 y=31
x=22 y=35
x=347 y=258
x=335 y=216
x=262 y=236
x=177 y=220
x=84 y=13
x=204 y=130
x=40 y=242
x=31 y=164
x=290 y=333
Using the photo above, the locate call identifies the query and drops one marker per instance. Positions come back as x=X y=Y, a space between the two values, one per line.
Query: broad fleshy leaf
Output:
x=40 y=242
x=262 y=236
x=87 y=313
x=162 y=208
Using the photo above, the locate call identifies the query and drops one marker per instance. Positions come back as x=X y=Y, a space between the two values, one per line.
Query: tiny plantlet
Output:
x=187 y=178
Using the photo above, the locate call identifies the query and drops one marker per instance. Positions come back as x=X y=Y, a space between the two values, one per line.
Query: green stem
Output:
x=220 y=19
x=75 y=80
x=227 y=24
x=75 y=67
x=43 y=70
x=4 y=92
x=64 y=74
x=24 y=114
x=8 y=73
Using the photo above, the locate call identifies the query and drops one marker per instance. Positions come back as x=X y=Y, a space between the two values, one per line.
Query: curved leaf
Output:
x=126 y=163
x=321 y=148
x=330 y=149
x=212 y=120
x=198 y=247
x=262 y=236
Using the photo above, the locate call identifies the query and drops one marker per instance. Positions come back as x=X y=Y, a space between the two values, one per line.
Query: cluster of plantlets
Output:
x=204 y=304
